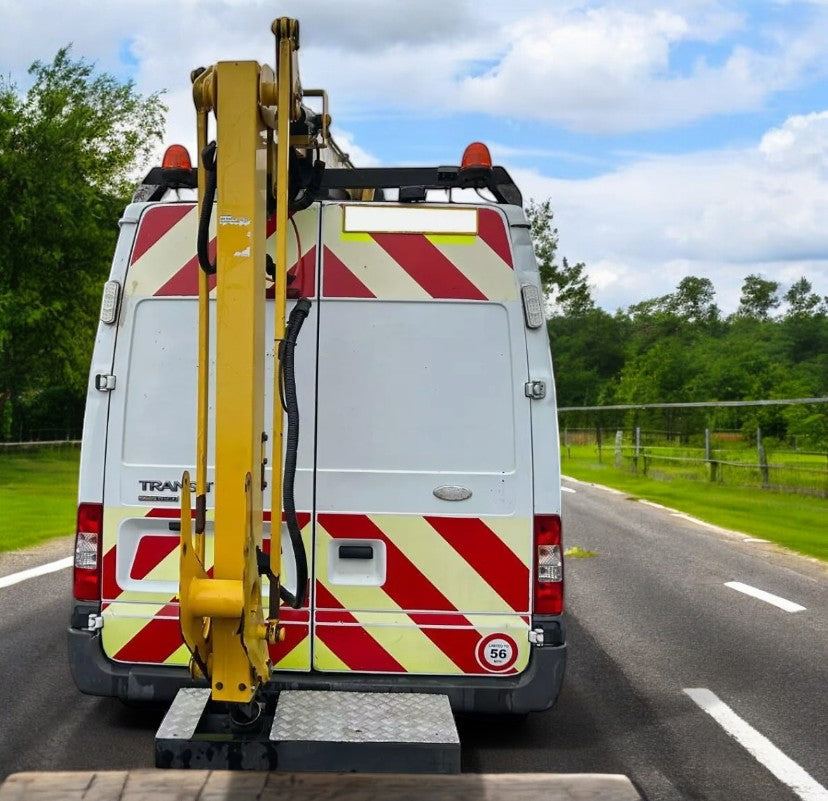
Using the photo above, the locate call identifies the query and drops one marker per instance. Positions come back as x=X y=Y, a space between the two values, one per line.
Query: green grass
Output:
x=576 y=552
x=38 y=495
x=798 y=522
x=788 y=471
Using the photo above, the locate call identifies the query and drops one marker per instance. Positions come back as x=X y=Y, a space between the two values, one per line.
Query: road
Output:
x=648 y=617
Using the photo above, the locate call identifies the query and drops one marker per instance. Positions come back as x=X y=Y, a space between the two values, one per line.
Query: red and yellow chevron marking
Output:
x=164 y=262
x=408 y=266
x=450 y=583
x=141 y=620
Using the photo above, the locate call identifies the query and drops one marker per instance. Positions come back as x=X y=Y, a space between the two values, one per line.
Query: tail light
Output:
x=87 y=575
x=549 y=585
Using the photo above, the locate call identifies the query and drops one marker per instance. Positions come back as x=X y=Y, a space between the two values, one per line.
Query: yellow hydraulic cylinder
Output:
x=286 y=32
x=203 y=350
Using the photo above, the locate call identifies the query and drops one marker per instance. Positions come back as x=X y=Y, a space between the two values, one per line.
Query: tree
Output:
x=69 y=150
x=693 y=300
x=759 y=297
x=567 y=283
x=801 y=301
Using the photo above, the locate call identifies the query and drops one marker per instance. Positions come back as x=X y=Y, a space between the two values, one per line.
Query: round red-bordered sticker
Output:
x=496 y=653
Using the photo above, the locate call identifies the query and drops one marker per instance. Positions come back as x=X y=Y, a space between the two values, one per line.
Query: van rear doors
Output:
x=423 y=486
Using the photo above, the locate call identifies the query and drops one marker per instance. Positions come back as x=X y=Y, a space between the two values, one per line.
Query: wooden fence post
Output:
x=763 y=459
x=637 y=448
x=708 y=456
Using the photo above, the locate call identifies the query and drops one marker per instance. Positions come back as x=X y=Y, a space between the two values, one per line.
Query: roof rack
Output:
x=412 y=183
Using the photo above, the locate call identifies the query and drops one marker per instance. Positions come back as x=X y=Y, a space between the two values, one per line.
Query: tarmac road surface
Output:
x=650 y=617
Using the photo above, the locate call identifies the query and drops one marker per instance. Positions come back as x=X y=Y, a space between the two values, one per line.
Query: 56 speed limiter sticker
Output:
x=496 y=653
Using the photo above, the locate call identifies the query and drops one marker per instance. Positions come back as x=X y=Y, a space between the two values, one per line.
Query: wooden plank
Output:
x=186 y=785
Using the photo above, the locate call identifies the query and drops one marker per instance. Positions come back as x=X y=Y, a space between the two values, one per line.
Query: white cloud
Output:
x=598 y=67
x=801 y=143
x=720 y=215
x=608 y=69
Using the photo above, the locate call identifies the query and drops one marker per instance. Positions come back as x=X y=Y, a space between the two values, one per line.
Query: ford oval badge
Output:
x=450 y=492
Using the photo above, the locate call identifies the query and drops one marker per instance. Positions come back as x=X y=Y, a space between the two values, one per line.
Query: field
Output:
x=730 y=461
x=38 y=492
x=38 y=495
x=796 y=521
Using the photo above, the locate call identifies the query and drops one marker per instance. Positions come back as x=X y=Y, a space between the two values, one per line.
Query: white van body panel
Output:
x=421 y=461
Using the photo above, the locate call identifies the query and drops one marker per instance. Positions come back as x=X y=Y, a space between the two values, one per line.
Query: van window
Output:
x=160 y=387
x=415 y=386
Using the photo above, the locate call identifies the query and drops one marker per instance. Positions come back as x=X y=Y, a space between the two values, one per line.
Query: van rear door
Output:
x=151 y=438
x=424 y=490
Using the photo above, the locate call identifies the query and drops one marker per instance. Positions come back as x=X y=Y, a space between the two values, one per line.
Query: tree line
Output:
x=679 y=347
x=73 y=146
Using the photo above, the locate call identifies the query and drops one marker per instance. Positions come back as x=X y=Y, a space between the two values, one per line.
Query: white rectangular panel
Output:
x=409 y=220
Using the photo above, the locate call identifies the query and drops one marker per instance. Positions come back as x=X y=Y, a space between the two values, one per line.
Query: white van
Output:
x=428 y=480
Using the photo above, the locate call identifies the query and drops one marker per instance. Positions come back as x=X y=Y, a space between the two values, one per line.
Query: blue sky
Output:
x=688 y=138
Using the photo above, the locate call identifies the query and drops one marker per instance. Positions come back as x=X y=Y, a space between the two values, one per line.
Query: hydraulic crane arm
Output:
x=222 y=618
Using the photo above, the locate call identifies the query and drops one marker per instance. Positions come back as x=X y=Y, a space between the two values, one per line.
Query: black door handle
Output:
x=356 y=551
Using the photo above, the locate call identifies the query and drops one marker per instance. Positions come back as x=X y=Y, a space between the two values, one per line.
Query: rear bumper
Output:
x=533 y=690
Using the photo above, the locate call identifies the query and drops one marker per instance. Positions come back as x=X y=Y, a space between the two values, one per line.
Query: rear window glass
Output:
x=415 y=386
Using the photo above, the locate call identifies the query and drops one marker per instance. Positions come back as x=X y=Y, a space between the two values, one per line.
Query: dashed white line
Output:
x=33 y=572
x=778 y=763
x=567 y=489
x=767 y=597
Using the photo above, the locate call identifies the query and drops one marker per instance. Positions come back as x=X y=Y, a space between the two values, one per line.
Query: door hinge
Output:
x=95 y=622
x=536 y=636
x=104 y=382
x=536 y=390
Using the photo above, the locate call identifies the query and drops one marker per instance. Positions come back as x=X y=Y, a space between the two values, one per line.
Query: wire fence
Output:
x=724 y=458
x=40 y=443
x=54 y=434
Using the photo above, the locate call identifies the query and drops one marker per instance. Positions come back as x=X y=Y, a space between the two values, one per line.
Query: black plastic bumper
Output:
x=533 y=690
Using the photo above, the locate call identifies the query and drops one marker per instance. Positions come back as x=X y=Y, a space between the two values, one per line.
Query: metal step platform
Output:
x=314 y=730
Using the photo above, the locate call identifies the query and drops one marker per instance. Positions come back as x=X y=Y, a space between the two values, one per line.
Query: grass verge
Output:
x=38 y=495
x=796 y=521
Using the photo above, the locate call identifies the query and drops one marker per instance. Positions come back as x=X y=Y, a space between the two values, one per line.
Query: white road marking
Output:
x=567 y=489
x=782 y=603
x=610 y=490
x=654 y=505
x=780 y=765
x=694 y=520
x=33 y=572
x=754 y=539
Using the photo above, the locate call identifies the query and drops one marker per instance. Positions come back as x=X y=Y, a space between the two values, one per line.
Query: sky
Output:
x=673 y=139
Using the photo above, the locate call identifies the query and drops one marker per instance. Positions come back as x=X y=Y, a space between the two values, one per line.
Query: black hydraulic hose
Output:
x=291 y=405
x=208 y=159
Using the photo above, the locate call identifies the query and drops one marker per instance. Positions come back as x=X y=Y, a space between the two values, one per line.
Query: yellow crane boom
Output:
x=222 y=617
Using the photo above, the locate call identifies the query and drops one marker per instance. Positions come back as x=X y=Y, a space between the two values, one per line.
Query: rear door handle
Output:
x=356 y=551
